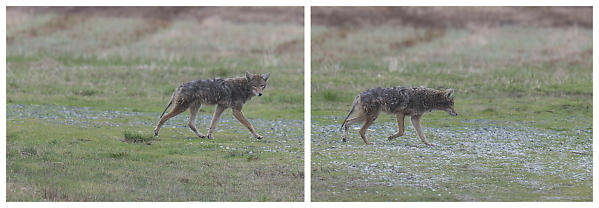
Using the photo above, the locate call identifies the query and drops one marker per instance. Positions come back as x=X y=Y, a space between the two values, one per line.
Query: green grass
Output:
x=129 y=63
x=54 y=162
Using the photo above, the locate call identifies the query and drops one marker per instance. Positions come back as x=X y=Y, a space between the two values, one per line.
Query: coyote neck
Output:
x=430 y=100
x=240 y=89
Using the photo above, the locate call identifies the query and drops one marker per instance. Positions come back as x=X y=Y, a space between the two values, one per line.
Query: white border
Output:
x=595 y=110
x=3 y=103
x=300 y=3
x=307 y=106
x=307 y=96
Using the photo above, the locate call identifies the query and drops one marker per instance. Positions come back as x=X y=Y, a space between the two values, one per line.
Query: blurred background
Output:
x=521 y=63
x=134 y=57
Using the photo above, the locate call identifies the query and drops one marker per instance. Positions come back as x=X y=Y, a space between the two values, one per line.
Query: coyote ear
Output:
x=266 y=76
x=248 y=76
x=449 y=93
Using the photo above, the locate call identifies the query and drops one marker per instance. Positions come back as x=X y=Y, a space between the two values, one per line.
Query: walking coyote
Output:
x=400 y=101
x=224 y=93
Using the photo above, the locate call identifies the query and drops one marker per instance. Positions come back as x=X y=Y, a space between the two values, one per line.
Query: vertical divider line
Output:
x=307 y=107
x=3 y=104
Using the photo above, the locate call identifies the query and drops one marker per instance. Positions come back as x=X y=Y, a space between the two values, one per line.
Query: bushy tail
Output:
x=350 y=111
x=169 y=103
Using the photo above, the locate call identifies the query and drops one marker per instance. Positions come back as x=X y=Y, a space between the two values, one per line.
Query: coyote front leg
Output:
x=217 y=112
x=239 y=116
x=416 y=123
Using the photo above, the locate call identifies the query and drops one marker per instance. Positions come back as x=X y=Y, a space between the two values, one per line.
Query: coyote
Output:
x=224 y=93
x=400 y=101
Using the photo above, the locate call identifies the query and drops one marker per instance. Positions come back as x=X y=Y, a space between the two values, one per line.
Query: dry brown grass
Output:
x=454 y=16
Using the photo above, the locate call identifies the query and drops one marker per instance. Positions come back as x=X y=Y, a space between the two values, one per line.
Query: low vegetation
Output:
x=85 y=88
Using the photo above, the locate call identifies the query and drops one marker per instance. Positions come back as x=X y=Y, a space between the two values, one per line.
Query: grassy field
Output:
x=523 y=91
x=85 y=87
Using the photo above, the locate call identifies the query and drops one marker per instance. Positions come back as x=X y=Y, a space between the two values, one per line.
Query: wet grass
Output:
x=504 y=77
x=88 y=90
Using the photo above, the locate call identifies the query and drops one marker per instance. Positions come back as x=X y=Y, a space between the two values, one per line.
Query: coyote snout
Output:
x=401 y=101
x=451 y=111
x=224 y=93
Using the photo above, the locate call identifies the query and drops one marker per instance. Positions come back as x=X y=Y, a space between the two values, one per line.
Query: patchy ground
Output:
x=476 y=160
x=61 y=153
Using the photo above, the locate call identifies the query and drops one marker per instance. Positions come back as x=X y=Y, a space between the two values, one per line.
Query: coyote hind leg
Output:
x=175 y=111
x=369 y=120
x=348 y=123
x=400 y=126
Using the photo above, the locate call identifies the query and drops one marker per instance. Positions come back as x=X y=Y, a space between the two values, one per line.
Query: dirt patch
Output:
x=446 y=17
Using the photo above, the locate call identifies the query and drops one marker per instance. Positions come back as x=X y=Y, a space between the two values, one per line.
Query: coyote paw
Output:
x=343 y=139
x=398 y=134
x=370 y=143
x=259 y=137
x=431 y=144
x=209 y=136
x=155 y=133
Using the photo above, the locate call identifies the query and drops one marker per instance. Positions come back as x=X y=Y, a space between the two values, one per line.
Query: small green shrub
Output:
x=131 y=137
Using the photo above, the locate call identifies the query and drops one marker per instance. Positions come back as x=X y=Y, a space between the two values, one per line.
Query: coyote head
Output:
x=447 y=103
x=257 y=82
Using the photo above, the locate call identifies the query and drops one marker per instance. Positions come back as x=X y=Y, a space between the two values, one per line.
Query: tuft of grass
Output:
x=29 y=151
x=86 y=92
x=132 y=137
x=119 y=155
x=252 y=158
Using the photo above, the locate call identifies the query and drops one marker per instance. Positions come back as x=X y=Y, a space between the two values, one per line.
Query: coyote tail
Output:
x=169 y=103
x=350 y=111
